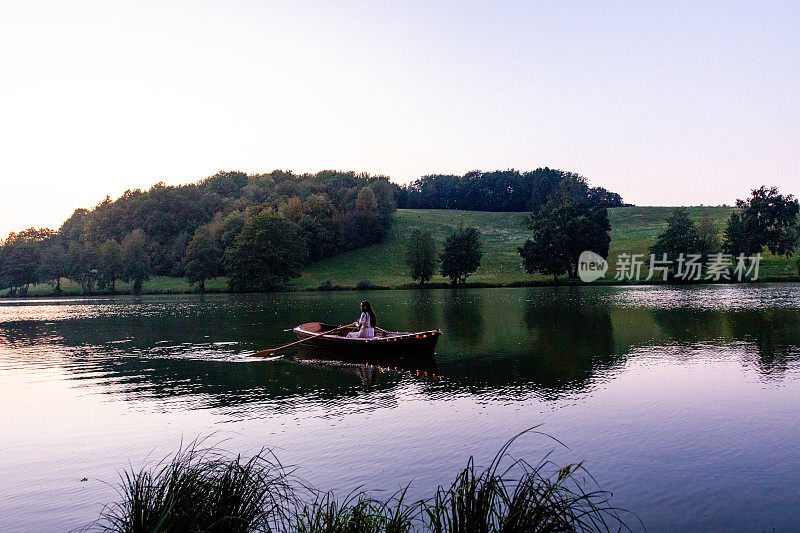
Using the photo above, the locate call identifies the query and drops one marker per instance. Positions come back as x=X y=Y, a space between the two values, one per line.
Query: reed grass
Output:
x=204 y=490
x=521 y=497
x=357 y=513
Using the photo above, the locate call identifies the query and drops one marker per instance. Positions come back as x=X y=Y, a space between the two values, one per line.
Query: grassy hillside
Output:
x=634 y=229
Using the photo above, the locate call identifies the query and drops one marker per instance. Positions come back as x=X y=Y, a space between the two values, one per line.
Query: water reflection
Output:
x=689 y=326
x=542 y=341
x=463 y=314
x=574 y=337
x=665 y=391
x=422 y=308
x=775 y=333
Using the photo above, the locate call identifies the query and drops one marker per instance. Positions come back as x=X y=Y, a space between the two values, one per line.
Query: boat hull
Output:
x=395 y=343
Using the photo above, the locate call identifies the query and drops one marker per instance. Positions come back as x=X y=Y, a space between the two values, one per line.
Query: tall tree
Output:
x=708 y=240
x=462 y=254
x=767 y=218
x=54 y=265
x=320 y=227
x=364 y=222
x=203 y=259
x=267 y=252
x=421 y=255
x=23 y=256
x=82 y=265
x=135 y=259
x=385 y=194
x=680 y=236
x=543 y=252
x=5 y=277
x=109 y=258
x=565 y=226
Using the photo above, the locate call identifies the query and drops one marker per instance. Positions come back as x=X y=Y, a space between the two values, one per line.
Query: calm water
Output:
x=685 y=402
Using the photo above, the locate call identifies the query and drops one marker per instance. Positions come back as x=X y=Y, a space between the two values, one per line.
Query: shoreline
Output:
x=427 y=286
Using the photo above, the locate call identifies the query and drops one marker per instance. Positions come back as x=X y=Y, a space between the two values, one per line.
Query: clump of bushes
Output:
x=206 y=490
x=366 y=284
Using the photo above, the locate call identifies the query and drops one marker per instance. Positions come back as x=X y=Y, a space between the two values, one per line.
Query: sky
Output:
x=666 y=103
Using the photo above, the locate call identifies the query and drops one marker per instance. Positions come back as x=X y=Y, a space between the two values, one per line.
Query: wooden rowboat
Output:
x=384 y=343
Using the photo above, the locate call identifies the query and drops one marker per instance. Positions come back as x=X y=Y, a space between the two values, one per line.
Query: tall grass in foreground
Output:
x=202 y=490
x=205 y=490
x=357 y=513
x=521 y=497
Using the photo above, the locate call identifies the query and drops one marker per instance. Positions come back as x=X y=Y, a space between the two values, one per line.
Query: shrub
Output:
x=365 y=284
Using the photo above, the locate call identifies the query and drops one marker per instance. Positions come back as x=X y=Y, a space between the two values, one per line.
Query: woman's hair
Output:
x=372 y=321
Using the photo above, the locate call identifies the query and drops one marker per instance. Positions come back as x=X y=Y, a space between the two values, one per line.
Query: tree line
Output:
x=499 y=190
x=259 y=230
x=767 y=219
x=571 y=222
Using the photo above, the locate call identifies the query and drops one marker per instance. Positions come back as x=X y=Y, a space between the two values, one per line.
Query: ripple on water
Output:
x=670 y=393
x=713 y=297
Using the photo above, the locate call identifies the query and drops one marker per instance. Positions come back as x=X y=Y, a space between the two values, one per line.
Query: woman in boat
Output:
x=366 y=323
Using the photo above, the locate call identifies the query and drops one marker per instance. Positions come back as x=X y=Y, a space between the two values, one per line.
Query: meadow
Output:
x=633 y=230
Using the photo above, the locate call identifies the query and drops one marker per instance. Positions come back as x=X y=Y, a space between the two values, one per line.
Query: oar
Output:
x=268 y=352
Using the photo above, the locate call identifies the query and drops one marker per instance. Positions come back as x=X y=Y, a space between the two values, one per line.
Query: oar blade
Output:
x=270 y=352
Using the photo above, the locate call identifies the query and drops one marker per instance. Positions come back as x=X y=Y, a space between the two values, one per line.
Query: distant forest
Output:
x=500 y=190
x=258 y=230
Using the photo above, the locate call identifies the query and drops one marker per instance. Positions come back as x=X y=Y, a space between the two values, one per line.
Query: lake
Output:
x=682 y=401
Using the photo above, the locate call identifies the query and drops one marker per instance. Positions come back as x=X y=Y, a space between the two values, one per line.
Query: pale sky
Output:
x=673 y=103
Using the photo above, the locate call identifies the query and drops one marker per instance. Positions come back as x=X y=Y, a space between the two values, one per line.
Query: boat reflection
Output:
x=369 y=368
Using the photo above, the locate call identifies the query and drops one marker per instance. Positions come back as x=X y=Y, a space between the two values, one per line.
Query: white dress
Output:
x=365 y=329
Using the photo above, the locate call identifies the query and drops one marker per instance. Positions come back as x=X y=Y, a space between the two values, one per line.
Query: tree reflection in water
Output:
x=545 y=341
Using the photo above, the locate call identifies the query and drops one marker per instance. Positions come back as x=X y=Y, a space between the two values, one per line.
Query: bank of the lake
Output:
x=383 y=265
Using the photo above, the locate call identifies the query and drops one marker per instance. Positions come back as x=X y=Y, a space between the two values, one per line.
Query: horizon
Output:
x=666 y=104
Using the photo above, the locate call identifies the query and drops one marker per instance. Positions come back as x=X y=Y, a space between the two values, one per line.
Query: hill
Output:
x=633 y=230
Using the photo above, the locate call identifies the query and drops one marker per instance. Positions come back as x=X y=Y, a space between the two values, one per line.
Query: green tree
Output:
x=82 y=265
x=421 y=255
x=366 y=201
x=5 y=278
x=543 y=252
x=320 y=228
x=361 y=206
x=203 y=259
x=462 y=254
x=565 y=226
x=364 y=222
x=231 y=228
x=680 y=236
x=708 y=240
x=22 y=258
x=767 y=218
x=54 y=265
x=385 y=194
x=109 y=259
x=136 y=261
x=268 y=251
